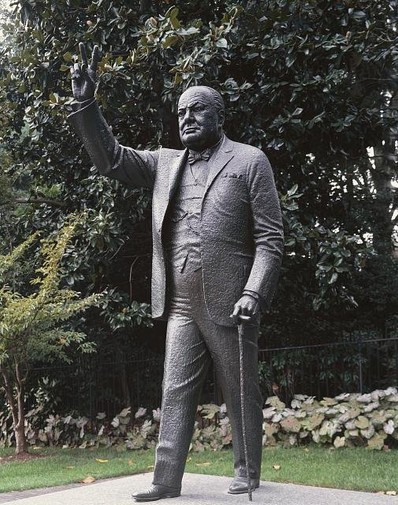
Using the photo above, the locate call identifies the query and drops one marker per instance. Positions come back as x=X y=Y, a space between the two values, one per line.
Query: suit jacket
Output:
x=241 y=226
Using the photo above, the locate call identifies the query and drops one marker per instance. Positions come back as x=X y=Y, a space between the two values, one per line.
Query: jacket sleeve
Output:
x=130 y=166
x=267 y=229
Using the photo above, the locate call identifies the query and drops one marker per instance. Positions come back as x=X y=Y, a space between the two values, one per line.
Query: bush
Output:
x=348 y=420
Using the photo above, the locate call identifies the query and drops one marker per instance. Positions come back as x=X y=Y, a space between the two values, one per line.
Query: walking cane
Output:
x=241 y=332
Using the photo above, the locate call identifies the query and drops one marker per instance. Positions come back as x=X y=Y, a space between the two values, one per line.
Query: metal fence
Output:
x=92 y=385
x=329 y=369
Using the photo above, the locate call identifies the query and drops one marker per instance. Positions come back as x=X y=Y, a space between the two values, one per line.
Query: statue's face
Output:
x=199 y=121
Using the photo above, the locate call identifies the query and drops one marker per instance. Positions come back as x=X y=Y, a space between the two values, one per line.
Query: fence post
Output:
x=360 y=344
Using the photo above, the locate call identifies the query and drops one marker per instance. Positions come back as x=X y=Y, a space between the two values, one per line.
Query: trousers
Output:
x=192 y=341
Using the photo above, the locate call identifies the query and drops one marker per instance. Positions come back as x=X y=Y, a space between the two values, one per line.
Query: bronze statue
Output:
x=217 y=248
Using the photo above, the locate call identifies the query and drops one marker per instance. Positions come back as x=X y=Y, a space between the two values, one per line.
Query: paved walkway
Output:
x=197 y=490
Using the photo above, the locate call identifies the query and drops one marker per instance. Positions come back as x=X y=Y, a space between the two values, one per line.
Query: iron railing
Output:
x=329 y=369
x=93 y=385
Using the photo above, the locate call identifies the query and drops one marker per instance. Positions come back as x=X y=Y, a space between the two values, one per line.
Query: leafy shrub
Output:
x=348 y=420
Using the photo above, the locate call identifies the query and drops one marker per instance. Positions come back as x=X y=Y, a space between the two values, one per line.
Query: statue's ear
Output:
x=221 y=116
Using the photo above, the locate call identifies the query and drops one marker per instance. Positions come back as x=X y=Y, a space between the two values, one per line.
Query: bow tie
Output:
x=194 y=156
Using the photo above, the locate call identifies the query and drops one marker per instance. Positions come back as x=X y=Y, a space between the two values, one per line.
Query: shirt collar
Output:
x=206 y=154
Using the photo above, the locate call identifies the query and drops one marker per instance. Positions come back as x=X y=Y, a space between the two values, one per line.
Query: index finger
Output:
x=83 y=54
x=236 y=311
x=95 y=57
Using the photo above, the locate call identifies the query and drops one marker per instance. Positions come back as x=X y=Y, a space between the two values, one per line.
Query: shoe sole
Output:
x=243 y=491
x=168 y=495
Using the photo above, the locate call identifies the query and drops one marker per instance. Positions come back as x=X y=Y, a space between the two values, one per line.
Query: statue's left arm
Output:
x=267 y=237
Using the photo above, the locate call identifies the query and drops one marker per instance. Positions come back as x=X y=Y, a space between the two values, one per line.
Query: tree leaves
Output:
x=31 y=325
x=308 y=84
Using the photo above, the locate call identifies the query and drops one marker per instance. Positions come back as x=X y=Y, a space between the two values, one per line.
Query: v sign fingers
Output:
x=84 y=77
x=83 y=54
x=95 y=58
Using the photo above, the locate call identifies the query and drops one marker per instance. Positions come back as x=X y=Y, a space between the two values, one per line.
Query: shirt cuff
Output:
x=77 y=106
x=253 y=294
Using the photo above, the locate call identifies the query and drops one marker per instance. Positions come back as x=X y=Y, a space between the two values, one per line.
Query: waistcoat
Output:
x=182 y=238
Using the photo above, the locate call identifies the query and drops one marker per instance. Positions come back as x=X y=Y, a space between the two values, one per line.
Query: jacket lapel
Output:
x=170 y=166
x=176 y=167
x=223 y=156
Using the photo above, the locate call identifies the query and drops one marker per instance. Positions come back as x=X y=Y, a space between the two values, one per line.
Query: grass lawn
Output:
x=64 y=466
x=357 y=469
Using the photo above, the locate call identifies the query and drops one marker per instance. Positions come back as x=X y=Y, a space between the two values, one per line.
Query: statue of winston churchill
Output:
x=217 y=248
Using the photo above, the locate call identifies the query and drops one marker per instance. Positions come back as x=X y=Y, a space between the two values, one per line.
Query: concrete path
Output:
x=197 y=490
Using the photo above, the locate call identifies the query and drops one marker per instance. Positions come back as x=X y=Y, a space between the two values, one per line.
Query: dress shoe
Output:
x=239 y=485
x=157 y=492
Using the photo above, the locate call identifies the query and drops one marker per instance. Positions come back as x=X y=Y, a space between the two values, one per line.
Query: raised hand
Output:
x=84 y=76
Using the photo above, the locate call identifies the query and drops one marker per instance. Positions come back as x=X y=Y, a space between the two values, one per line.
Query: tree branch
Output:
x=39 y=201
x=35 y=201
x=20 y=380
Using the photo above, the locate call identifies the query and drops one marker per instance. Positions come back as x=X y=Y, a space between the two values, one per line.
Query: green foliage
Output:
x=322 y=370
x=32 y=323
x=125 y=431
x=31 y=326
x=348 y=420
x=313 y=84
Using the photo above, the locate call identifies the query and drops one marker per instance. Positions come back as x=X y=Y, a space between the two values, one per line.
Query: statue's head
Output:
x=200 y=117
